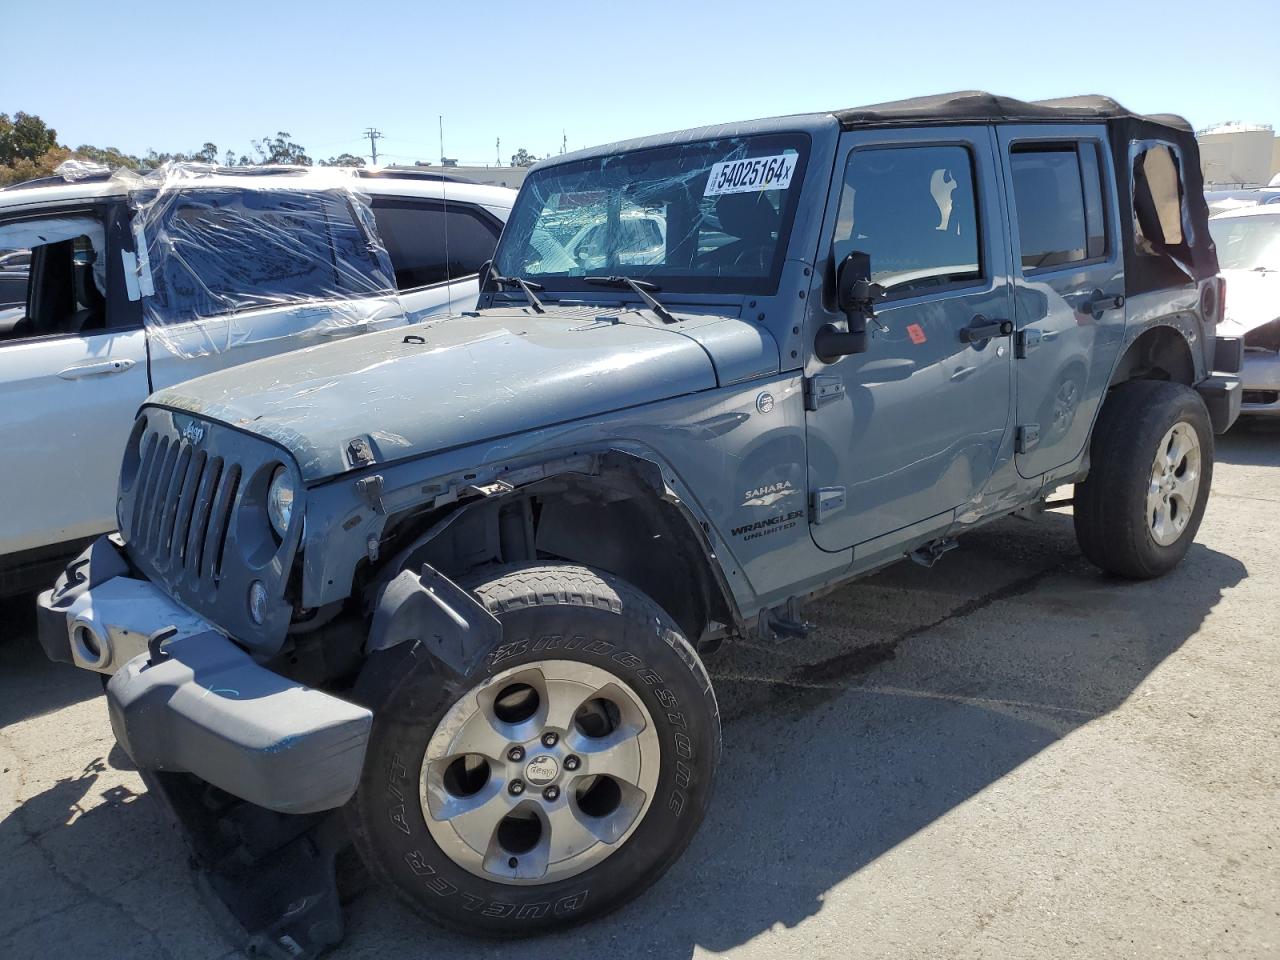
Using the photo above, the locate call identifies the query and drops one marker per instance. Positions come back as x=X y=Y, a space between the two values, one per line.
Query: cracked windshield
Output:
x=708 y=215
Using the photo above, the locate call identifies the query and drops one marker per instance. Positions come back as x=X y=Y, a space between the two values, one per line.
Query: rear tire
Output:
x=1151 y=465
x=586 y=663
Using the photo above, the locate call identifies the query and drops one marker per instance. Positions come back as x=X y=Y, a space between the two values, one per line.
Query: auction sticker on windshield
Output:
x=758 y=173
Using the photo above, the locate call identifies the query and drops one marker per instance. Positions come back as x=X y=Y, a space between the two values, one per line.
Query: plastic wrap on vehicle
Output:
x=75 y=170
x=233 y=256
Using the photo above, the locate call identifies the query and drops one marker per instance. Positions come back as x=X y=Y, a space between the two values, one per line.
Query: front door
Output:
x=1068 y=285
x=903 y=434
x=73 y=372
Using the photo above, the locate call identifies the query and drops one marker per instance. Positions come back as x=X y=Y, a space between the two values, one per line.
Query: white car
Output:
x=1248 y=242
x=138 y=284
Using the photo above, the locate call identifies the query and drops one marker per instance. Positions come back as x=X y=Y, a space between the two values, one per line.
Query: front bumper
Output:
x=1261 y=377
x=203 y=706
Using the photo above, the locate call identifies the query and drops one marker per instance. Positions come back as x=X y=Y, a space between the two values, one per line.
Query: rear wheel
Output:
x=1151 y=464
x=557 y=782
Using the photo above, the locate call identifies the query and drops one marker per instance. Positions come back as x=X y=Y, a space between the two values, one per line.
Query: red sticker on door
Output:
x=916 y=333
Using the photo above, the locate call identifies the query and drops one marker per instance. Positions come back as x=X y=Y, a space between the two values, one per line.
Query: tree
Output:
x=523 y=158
x=343 y=160
x=42 y=166
x=278 y=149
x=25 y=137
x=108 y=156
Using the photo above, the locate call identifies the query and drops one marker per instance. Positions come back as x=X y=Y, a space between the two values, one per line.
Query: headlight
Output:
x=280 y=501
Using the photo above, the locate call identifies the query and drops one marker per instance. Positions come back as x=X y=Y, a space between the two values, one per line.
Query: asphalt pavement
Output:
x=1010 y=755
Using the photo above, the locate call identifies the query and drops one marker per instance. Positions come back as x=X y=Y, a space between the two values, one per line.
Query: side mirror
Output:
x=856 y=297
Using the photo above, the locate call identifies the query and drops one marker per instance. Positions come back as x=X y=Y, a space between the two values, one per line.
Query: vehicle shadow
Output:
x=33 y=685
x=917 y=690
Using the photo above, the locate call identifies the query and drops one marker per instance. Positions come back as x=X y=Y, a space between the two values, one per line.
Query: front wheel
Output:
x=1151 y=463
x=559 y=781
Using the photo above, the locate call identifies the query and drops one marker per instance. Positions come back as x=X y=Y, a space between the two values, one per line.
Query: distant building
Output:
x=1238 y=154
x=495 y=176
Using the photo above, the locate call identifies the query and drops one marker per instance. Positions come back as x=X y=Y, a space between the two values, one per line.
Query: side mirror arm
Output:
x=832 y=343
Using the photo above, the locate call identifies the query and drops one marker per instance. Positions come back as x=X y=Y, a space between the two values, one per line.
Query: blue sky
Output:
x=171 y=76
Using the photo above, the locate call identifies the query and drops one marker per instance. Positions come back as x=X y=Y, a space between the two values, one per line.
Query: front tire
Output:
x=1151 y=464
x=560 y=780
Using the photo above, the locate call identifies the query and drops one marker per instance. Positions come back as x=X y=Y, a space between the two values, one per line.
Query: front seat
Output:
x=93 y=305
x=752 y=219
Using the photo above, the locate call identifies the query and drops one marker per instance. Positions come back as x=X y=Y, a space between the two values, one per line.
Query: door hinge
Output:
x=1026 y=341
x=1028 y=437
x=824 y=502
x=820 y=390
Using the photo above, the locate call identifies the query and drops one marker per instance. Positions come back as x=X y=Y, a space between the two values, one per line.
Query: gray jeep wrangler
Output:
x=442 y=593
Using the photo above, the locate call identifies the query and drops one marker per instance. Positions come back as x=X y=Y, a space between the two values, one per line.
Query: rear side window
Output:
x=913 y=211
x=223 y=251
x=1157 y=199
x=422 y=251
x=1057 y=191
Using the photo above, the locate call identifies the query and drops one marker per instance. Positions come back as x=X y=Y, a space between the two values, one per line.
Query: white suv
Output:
x=138 y=284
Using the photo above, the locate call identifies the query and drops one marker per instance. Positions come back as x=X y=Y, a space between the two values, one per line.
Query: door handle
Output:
x=983 y=329
x=97 y=368
x=1099 y=302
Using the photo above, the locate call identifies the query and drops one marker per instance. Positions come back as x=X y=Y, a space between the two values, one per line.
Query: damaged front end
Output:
x=252 y=766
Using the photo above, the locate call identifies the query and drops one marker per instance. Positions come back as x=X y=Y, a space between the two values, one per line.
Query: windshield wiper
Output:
x=526 y=287
x=641 y=288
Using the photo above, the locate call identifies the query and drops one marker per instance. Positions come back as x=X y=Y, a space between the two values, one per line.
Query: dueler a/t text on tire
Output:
x=560 y=780
x=1151 y=464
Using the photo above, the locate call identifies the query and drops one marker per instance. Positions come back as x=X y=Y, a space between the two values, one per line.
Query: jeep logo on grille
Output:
x=192 y=432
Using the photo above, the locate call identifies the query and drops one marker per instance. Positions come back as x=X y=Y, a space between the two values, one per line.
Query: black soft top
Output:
x=1191 y=254
x=977 y=106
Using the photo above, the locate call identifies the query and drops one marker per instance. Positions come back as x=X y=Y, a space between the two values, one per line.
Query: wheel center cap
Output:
x=542 y=770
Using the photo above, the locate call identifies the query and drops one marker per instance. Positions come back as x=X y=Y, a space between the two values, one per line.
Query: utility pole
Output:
x=564 y=142
x=374 y=136
x=441 y=118
x=497 y=146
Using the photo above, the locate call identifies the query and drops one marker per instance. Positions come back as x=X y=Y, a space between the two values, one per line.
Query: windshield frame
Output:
x=527 y=209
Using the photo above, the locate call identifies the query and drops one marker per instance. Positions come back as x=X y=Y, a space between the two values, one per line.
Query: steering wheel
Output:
x=752 y=258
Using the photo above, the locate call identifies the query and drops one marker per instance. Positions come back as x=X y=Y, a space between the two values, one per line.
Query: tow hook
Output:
x=154 y=643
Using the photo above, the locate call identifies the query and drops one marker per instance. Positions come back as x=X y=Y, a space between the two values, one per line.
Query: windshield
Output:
x=1247 y=243
x=708 y=216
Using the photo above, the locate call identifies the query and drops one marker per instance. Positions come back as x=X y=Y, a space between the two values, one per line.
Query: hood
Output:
x=1253 y=300
x=472 y=378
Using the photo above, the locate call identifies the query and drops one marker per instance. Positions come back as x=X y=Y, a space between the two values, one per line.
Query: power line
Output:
x=374 y=136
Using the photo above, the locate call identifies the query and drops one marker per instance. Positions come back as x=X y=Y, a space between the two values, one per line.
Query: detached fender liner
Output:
x=210 y=710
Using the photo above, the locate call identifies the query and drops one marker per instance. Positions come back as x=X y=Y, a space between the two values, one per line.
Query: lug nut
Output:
x=515 y=787
x=549 y=739
x=515 y=754
x=571 y=762
x=551 y=794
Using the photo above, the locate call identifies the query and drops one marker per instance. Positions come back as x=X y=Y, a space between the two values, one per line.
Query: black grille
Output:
x=182 y=509
x=193 y=513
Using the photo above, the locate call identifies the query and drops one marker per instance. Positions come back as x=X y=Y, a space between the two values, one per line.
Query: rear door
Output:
x=1068 y=275
x=901 y=435
x=73 y=371
x=436 y=249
